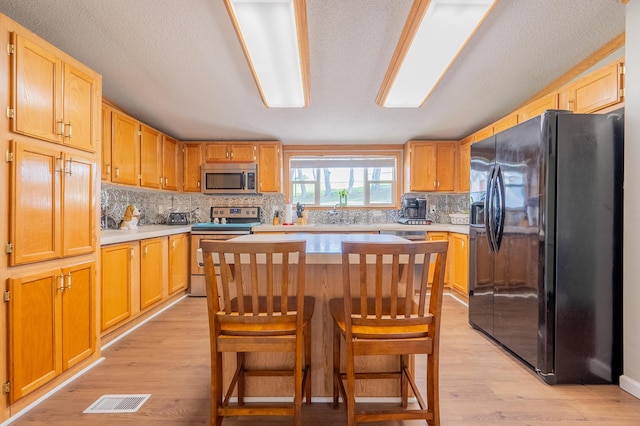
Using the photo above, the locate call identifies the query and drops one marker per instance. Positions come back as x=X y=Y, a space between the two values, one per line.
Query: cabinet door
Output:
x=151 y=278
x=35 y=343
x=438 y=236
x=269 y=167
x=464 y=164
x=505 y=123
x=178 y=262
x=597 y=90
x=217 y=152
x=34 y=197
x=79 y=103
x=243 y=153
x=170 y=163
x=192 y=159
x=423 y=167
x=79 y=205
x=115 y=298
x=106 y=143
x=78 y=313
x=125 y=149
x=445 y=169
x=459 y=262
x=195 y=245
x=37 y=88
x=537 y=107
x=150 y=158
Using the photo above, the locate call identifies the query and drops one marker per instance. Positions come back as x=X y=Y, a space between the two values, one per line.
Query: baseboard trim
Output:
x=630 y=385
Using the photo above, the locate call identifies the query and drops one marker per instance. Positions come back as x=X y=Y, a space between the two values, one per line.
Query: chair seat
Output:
x=336 y=308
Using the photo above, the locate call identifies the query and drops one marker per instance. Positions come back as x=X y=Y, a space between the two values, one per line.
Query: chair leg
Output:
x=240 y=357
x=307 y=361
x=404 y=383
x=298 y=378
x=433 y=389
x=336 y=366
x=350 y=388
x=216 y=389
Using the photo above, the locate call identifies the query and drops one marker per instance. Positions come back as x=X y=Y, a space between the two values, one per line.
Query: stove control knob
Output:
x=223 y=220
x=215 y=220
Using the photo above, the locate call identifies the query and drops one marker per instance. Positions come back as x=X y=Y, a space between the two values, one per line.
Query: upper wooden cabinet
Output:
x=505 y=123
x=242 y=152
x=430 y=166
x=537 y=107
x=464 y=163
x=270 y=167
x=150 y=157
x=54 y=98
x=597 y=90
x=169 y=163
x=125 y=149
x=106 y=143
x=52 y=203
x=191 y=161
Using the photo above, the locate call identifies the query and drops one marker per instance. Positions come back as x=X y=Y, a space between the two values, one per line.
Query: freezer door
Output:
x=516 y=283
x=480 y=253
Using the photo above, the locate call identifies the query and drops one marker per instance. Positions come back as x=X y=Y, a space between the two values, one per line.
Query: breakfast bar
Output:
x=323 y=281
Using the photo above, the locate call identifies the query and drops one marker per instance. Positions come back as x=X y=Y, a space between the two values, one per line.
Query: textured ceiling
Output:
x=178 y=66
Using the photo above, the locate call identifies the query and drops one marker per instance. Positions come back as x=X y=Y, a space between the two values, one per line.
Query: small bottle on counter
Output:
x=276 y=218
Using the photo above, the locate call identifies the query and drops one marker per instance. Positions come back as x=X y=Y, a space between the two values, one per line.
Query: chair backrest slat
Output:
x=257 y=280
x=386 y=279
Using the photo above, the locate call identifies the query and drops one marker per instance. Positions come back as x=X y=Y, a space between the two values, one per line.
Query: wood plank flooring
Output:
x=480 y=383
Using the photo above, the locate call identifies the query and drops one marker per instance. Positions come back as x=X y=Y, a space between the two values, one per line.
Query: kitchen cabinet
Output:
x=52 y=203
x=191 y=161
x=241 y=152
x=439 y=236
x=55 y=99
x=459 y=263
x=116 y=283
x=51 y=325
x=150 y=157
x=106 y=143
x=270 y=167
x=537 y=107
x=597 y=90
x=178 y=262
x=430 y=166
x=464 y=163
x=125 y=149
x=151 y=273
x=169 y=163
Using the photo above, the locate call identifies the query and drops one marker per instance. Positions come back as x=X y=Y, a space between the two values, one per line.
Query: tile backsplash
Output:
x=155 y=206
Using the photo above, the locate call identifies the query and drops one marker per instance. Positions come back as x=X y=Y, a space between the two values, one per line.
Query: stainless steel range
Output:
x=225 y=223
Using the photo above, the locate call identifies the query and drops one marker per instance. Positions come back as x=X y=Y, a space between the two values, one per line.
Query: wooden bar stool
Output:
x=257 y=304
x=384 y=312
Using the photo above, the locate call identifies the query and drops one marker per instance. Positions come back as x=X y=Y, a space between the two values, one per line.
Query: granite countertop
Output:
x=376 y=227
x=115 y=236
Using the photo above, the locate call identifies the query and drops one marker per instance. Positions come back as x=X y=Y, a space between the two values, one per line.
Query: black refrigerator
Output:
x=545 y=257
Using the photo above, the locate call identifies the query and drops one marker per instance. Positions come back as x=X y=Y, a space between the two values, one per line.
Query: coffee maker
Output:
x=414 y=211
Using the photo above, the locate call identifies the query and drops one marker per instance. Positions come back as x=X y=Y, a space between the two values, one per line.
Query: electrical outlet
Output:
x=432 y=210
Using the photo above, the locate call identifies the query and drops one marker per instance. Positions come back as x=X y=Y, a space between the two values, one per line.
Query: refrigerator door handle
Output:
x=499 y=231
x=489 y=209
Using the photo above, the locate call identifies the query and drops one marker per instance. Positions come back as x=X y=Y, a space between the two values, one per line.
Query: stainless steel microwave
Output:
x=229 y=178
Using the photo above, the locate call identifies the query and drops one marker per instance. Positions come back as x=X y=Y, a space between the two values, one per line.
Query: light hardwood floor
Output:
x=480 y=383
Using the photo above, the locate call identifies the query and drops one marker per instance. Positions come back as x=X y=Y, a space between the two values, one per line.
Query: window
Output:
x=320 y=180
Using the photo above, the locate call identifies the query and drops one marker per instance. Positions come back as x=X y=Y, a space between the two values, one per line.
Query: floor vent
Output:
x=117 y=404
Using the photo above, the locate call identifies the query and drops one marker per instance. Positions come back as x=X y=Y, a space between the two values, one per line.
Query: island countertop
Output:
x=322 y=248
x=359 y=227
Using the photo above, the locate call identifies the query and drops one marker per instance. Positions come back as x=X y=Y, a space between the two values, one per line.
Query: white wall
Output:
x=630 y=380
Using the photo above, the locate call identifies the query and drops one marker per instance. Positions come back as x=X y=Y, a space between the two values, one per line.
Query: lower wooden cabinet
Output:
x=51 y=325
x=138 y=275
x=459 y=262
x=439 y=236
x=178 y=262
x=115 y=297
x=151 y=271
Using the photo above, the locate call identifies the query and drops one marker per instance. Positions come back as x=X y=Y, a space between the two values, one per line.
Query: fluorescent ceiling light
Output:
x=273 y=34
x=435 y=32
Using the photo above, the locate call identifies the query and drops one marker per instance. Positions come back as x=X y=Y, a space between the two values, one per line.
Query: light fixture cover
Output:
x=435 y=32
x=273 y=34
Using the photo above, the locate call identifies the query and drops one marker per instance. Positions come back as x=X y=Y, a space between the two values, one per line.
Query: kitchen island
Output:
x=324 y=281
